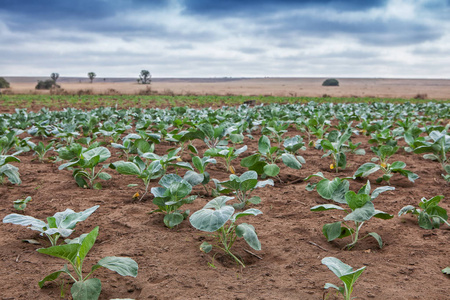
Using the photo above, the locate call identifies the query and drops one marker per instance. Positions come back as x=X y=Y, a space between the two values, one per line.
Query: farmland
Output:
x=283 y=140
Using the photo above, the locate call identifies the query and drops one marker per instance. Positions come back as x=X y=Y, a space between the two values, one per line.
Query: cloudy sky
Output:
x=218 y=38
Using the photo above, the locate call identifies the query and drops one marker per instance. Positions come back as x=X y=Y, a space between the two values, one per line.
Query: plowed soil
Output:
x=171 y=266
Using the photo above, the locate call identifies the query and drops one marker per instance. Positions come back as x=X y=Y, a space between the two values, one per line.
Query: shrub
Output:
x=3 y=83
x=330 y=82
x=46 y=85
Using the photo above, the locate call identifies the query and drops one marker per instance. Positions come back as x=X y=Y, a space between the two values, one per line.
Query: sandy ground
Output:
x=295 y=87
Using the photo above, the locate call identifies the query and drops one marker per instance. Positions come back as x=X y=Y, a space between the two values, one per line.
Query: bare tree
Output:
x=54 y=77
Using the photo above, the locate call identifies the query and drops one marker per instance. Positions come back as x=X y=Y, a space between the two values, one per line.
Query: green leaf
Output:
x=206 y=247
x=248 y=212
x=173 y=219
x=446 y=271
x=291 y=161
x=104 y=176
x=334 y=231
x=11 y=172
x=102 y=152
x=326 y=188
x=380 y=190
x=68 y=252
x=355 y=201
x=124 y=266
x=406 y=209
x=248 y=232
x=248 y=185
x=87 y=244
x=254 y=200
x=323 y=207
x=343 y=271
x=271 y=170
x=193 y=178
x=264 y=145
x=377 y=237
x=382 y=215
x=53 y=276
x=397 y=165
x=361 y=214
x=250 y=160
x=126 y=168
x=86 y=290
x=366 y=169
x=209 y=219
x=23 y=220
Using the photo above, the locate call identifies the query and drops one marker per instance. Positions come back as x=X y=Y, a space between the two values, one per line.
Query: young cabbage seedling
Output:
x=74 y=252
x=336 y=148
x=439 y=148
x=228 y=154
x=21 y=204
x=40 y=149
x=202 y=177
x=242 y=187
x=360 y=210
x=430 y=214
x=170 y=197
x=345 y=273
x=84 y=162
x=61 y=224
x=218 y=217
x=384 y=153
x=138 y=168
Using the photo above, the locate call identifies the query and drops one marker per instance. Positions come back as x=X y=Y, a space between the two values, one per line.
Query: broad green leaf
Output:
x=380 y=190
x=102 y=152
x=334 y=231
x=377 y=237
x=193 y=178
x=248 y=232
x=250 y=160
x=248 y=212
x=264 y=145
x=124 y=266
x=104 y=176
x=23 y=220
x=263 y=183
x=406 y=209
x=169 y=179
x=87 y=243
x=173 y=219
x=343 y=271
x=271 y=170
x=248 y=185
x=68 y=252
x=86 y=290
x=361 y=214
x=322 y=207
x=366 y=169
x=326 y=188
x=213 y=215
x=254 y=200
x=126 y=168
x=291 y=161
x=318 y=174
x=71 y=219
x=397 y=165
x=446 y=270
x=424 y=203
x=382 y=215
x=53 y=276
x=12 y=172
x=248 y=175
x=355 y=201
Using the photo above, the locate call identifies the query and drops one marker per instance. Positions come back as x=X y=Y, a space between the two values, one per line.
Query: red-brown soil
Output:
x=171 y=266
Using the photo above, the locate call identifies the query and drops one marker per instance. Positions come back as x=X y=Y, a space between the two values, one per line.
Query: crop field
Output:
x=205 y=197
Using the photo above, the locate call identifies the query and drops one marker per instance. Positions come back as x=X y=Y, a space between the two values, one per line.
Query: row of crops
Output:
x=82 y=142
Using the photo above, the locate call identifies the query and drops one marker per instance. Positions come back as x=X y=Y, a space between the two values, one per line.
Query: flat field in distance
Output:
x=283 y=87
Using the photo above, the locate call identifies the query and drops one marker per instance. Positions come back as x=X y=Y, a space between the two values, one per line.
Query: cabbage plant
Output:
x=8 y=171
x=360 y=210
x=430 y=214
x=346 y=274
x=218 y=217
x=60 y=224
x=75 y=252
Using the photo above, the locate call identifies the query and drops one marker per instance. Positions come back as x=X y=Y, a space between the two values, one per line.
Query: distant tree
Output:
x=145 y=77
x=46 y=85
x=54 y=76
x=330 y=82
x=3 y=83
x=91 y=76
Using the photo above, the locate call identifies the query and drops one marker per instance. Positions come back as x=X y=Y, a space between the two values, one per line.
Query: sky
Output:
x=226 y=38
